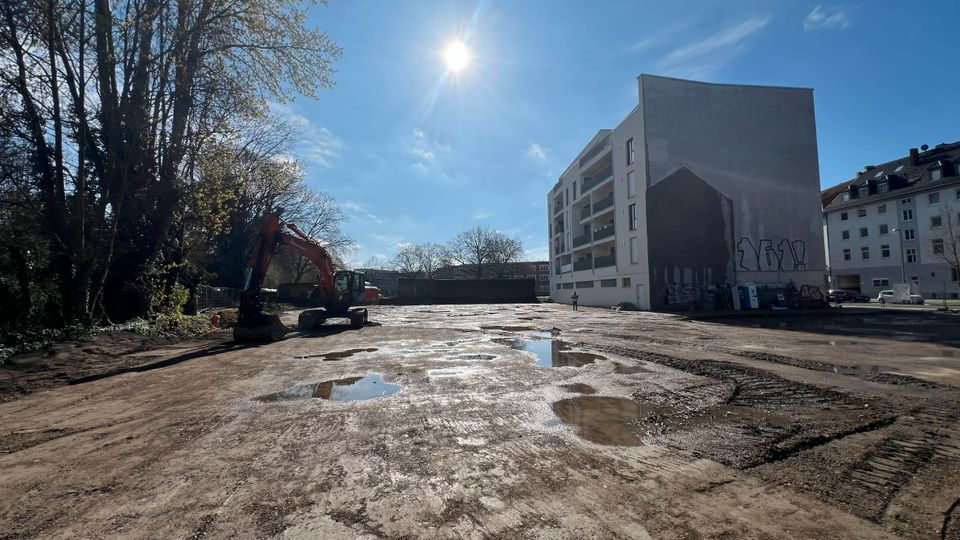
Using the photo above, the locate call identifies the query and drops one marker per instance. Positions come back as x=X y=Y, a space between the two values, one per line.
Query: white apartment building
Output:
x=701 y=184
x=892 y=223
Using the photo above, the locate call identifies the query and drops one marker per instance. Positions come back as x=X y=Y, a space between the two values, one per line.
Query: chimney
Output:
x=914 y=157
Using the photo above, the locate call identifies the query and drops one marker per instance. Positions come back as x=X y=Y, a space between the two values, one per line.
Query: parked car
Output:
x=855 y=296
x=846 y=295
x=887 y=296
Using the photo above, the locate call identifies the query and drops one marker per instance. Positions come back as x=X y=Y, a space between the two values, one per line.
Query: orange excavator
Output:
x=337 y=291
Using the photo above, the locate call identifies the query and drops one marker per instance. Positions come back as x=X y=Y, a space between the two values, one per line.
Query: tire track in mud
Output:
x=902 y=443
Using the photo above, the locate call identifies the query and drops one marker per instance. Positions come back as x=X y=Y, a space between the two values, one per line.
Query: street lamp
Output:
x=903 y=274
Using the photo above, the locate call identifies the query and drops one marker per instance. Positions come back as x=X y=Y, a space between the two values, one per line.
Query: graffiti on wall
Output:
x=767 y=256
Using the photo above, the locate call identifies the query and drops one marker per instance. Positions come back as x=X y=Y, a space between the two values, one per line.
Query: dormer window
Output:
x=846 y=196
x=864 y=191
x=936 y=173
x=883 y=187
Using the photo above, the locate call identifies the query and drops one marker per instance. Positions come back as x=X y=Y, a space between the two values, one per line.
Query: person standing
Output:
x=573 y=299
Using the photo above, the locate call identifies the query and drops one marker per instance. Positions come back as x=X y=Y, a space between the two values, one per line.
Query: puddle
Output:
x=629 y=370
x=856 y=370
x=550 y=352
x=579 y=388
x=472 y=357
x=623 y=422
x=369 y=386
x=340 y=355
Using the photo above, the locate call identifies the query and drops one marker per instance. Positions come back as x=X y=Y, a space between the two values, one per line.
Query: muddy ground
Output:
x=517 y=421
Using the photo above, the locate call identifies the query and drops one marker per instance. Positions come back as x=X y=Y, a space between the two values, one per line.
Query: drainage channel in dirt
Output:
x=369 y=386
x=340 y=355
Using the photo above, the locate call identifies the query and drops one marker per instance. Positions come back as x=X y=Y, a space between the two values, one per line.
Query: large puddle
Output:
x=340 y=355
x=550 y=352
x=624 y=422
x=369 y=386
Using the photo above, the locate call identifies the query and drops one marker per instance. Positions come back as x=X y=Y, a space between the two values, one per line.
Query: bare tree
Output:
x=405 y=260
x=482 y=249
x=945 y=244
x=430 y=258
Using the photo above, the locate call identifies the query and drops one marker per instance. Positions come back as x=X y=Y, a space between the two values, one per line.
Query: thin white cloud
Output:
x=540 y=253
x=391 y=240
x=359 y=210
x=827 y=18
x=481 y=214
x=642 y=45
x=419 y=134
x=537 y=152
x=705 y=57
x=316 y=145
x=423 y=153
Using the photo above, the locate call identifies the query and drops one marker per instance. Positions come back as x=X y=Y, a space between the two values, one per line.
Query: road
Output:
x=452 y=422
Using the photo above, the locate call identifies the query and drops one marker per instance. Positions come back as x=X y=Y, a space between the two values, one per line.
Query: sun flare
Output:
x=457 y=56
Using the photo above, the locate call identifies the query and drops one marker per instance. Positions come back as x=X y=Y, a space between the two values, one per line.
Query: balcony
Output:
x=558 y=229
x=601 y=145
x=603 y=203
x=606 y=260
x=565 y=268
x=600 y=233
x=585 y=213
x=598 y=178
x=557 y=207
x=581 y=240
x=584 y=264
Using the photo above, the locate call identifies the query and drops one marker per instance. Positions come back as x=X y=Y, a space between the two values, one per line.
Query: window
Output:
x=883 y=187
x=846 y=254
x=845 y=235
x=864 y=232
x=864 y=191
x=911 y=255
x=864 y=253
x=908 y=215
x=885 y=251
x=626 y=282
x=937 y=246
x=958 y=191
x=898 y=169
x=845 y=196
x=629 y=151
x=882 y=209
x=915 y=280
x=574 y=189
x=558 y=286
x=608 y=282
x=568 y=285
x=632 y=216
x=884 y=229
x=908 y=234
x=861 y=212
x=936 y=221
x=544 y=277
x=933 y=198
x=906 y=201
x=881 y=282
x=954 y=275
x=936 y=173
x=631 y=184
x=634 y=250
x=843 y=216
x=584 y=284
x=544 y=268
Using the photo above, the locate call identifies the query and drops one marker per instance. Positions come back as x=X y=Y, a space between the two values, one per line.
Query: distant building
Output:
x=701 y=184
x=537 y=270
x=887 y=224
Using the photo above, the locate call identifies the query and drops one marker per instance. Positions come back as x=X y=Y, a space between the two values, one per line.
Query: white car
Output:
x=887 y=296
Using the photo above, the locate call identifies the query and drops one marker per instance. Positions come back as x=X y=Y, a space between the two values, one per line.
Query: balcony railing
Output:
x=601 y=145
x=604 y=261
x=603 y=203
x=603 y=233
x=565 y=268
x=598 y=178
x=585 y=213
x=581 y=240
x=584 y=264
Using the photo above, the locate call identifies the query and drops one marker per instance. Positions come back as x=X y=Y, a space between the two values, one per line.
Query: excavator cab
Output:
x=347 y=289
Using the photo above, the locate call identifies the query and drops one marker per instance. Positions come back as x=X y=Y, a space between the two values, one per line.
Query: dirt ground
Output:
x=512 y=421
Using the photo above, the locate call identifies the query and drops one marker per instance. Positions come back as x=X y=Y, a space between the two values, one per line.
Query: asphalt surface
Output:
x=512 y=421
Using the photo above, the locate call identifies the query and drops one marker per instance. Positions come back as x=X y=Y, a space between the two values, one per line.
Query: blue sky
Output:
x=414 y=154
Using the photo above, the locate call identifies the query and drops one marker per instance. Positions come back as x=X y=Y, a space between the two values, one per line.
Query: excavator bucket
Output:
x=271 y=330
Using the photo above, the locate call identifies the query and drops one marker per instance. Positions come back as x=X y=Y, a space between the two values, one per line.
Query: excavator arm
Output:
x=275 y=234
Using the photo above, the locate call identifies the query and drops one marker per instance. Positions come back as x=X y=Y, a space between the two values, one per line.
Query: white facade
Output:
x=899 y=246
x=701 y=184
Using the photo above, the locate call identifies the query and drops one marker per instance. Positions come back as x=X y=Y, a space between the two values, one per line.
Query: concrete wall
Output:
x=755 y=145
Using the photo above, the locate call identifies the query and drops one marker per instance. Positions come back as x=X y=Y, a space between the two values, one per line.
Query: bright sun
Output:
x=457 y=55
